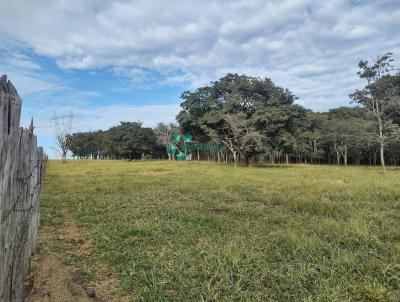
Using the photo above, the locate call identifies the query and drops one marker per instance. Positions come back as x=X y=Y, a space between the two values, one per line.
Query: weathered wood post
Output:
x=22 y=166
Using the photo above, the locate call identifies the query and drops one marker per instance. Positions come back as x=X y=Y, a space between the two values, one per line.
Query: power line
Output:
x=44 y=126
x=65 y=116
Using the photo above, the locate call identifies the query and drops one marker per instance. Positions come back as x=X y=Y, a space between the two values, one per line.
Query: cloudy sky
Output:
x=130 y=60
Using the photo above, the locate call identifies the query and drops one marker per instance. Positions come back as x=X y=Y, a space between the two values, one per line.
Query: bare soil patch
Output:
x=154 y=173
x=52 y=280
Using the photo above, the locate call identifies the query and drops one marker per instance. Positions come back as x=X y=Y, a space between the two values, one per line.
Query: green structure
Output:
x=181 y=156
x=180 y=143
x=181 y=147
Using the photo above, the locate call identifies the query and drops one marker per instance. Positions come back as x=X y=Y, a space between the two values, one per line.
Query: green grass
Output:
x=188 y=231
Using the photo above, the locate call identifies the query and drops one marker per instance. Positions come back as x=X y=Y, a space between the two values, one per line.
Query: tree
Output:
x=310 y=136
x=132 y=141
x=208 y=112
x=241 y=137
x=63 y=126
x=377 y=95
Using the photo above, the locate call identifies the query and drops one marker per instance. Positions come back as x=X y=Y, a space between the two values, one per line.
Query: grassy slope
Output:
x=207 y=232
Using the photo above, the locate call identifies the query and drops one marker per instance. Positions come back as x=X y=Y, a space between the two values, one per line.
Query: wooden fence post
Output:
x=22 y=167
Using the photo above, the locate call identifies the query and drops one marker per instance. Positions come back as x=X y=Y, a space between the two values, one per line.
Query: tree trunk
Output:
x=235 y=158
x=248 y=161
x=382 y=146
x=382 y=155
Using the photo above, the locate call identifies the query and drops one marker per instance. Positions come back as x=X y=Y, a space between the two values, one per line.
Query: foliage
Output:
x=265 y=112
x=127 y=141
x=240 y=136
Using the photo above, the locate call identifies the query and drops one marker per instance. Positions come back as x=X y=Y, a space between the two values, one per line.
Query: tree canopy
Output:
x=129 y=140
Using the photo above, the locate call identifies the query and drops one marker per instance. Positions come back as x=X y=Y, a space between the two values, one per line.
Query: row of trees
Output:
x=257 y=120
x=129 y=140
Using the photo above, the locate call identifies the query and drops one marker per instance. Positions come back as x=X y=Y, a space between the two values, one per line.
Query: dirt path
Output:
x=51 y=280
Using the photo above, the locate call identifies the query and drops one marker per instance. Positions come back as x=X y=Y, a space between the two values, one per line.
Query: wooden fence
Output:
x=22 y=166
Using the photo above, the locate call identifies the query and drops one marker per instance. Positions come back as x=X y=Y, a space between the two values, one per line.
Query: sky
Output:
x=129 y=60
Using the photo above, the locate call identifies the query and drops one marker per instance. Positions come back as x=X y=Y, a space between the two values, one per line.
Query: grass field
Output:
x=188 y=231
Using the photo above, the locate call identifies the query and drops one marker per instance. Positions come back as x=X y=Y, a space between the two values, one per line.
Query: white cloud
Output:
x=309 y=46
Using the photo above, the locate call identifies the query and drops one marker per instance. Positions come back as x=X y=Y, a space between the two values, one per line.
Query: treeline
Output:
x=130 y=140
x=259 y=121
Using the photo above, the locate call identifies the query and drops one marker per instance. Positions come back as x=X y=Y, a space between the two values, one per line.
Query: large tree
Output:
x=256 y=106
